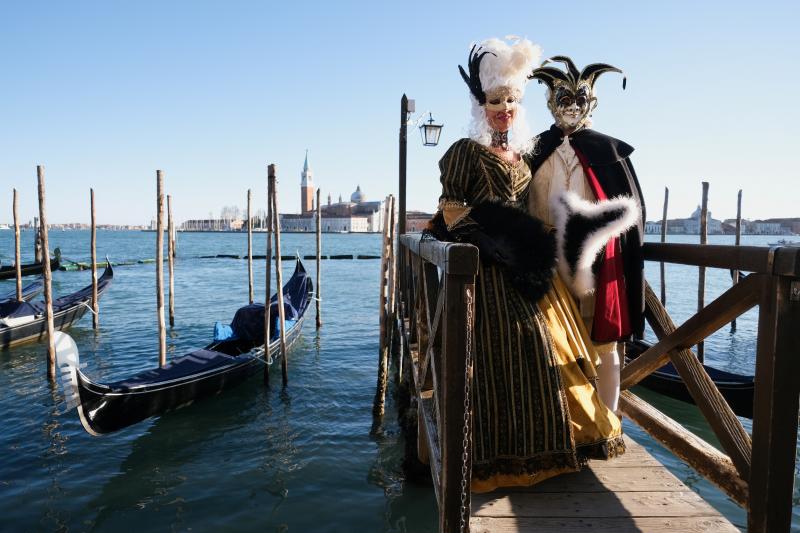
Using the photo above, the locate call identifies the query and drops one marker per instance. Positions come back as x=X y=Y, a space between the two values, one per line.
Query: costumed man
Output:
x=571 y=157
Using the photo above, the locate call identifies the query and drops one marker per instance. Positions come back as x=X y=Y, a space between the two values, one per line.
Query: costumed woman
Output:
x=535 y=411
x=592 y=166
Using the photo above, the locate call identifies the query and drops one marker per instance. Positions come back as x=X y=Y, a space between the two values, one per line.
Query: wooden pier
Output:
x=436 y=286
x=632 y=493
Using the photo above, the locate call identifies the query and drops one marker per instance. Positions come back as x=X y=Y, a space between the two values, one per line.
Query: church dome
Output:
x=358 y=196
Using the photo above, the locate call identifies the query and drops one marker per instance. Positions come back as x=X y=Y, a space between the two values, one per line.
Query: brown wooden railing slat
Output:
x=721 y=311
x=702 y=456
x=709 y=400
x=786 y=261
x=451 y=398
x=775 y=409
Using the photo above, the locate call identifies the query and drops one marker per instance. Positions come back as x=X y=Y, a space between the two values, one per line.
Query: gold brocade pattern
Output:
x=533 y=407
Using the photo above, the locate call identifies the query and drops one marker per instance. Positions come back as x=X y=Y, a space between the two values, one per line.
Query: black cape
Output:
x=609 y=158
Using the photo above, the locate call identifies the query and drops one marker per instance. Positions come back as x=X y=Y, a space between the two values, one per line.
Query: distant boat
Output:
x=784 y=242
x=235 y=354
x=8 y=272
x=4 y=226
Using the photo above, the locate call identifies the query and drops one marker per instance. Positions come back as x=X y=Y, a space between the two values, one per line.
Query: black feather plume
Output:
x=473 y=80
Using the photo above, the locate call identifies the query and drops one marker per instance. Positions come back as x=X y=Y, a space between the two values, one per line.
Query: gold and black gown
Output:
x=535 y=411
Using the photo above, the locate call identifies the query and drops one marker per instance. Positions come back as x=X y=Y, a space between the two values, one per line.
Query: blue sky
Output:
x=105 y=93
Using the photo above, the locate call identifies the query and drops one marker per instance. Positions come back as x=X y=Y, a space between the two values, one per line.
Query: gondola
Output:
x=26 y=322
x=737 y=389
x=236 y=353
x=9 y=272
x=29 y=292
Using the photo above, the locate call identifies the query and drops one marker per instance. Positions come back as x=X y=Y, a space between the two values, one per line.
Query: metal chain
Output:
x=465 y=474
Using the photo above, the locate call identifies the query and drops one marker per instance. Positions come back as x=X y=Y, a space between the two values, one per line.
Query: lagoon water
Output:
x=253 y=459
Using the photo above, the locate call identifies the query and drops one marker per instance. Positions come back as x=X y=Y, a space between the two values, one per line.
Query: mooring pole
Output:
x=319 y=257
x=267 y=336
x=380 y=389
x=249 y=249
x=738 y=242
x=701 y=288
x=664 y=239
x=17 y=254
x=162 y=333
x=48 y=289
x=279 y=277
x=95 y=304
x=37 y=241
x=171 y=262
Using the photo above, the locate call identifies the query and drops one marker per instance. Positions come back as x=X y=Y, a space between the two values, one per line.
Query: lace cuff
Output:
x=454 y=213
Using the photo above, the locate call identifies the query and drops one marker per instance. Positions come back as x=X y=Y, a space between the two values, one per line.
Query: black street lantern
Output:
x=430 y=132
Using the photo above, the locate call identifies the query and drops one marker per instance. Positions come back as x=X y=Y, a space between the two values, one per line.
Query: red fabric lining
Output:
x=611 y=320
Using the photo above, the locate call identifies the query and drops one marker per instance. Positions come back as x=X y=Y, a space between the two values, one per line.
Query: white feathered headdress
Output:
x=496 y=63
x=493 y=65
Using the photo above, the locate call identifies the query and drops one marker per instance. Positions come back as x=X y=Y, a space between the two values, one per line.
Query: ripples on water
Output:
x=300 y=459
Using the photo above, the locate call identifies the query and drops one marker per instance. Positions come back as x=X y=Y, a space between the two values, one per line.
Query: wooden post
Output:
x=380 y=390
x=171 y=261
x=37 y=241
x=392 y=277
x=279 y=275
x=664 y=239
x=738 y=242
x=319 y=257
x=17 y=254
x=405 y=108
x=95 y=304
x=459 y=307
x=701 y=284
x=48 y=291
x=775 y=407
x=270 y=186
x=249 y=249
x=162 y=334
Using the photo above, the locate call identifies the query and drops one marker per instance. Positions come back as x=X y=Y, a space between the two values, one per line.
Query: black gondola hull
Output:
x=738 y=390
x=36 y=330
x=105 y=408
x=9 y=272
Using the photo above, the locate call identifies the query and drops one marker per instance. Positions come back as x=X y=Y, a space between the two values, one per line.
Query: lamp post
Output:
x=430 y=137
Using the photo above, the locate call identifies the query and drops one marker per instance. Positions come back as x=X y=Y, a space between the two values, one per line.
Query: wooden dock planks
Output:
x=632 y=493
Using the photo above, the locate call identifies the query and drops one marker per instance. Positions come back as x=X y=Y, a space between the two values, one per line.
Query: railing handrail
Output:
x=777 y=260
x=451 y=257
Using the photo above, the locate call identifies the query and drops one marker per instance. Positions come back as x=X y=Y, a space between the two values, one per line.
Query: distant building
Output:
x=306 y=188
x=416 y=221
x=211 y=224
x=356 y=216
x=691 y=226
x=688 y=226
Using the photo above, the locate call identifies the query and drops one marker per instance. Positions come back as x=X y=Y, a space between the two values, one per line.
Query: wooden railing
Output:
x=436 y=280
x=755 y=471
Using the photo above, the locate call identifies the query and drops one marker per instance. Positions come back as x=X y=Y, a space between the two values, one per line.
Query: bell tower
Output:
x=306 y=188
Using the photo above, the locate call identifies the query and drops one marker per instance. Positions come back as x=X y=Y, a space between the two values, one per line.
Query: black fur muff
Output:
x=510 y=238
